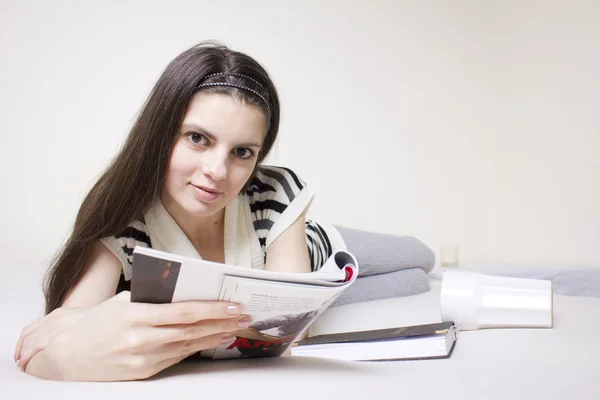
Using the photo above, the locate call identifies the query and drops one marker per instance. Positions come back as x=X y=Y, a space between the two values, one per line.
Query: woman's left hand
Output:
x=36 y=336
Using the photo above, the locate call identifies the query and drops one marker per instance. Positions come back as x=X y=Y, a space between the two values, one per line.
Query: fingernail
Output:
x=244 y=322
x=234 y=310
x=19 y=363
x=227 y=339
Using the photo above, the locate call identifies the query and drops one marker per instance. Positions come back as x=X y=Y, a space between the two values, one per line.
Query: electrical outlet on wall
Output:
x=449 y=256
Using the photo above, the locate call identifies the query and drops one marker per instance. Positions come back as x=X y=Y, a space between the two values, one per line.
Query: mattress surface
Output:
x=557 y=363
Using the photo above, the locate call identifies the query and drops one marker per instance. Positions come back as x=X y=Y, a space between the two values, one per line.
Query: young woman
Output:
x=188 y=180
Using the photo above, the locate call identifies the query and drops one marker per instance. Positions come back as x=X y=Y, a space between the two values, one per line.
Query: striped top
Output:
x=275 y=198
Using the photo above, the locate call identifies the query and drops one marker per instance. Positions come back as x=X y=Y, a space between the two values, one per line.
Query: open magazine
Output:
x=282 y=305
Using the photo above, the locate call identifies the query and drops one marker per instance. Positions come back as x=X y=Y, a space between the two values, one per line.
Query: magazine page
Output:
x=280 y=313
x=160 y=277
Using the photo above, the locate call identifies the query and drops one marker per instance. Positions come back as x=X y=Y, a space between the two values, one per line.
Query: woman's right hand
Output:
x=119 y=340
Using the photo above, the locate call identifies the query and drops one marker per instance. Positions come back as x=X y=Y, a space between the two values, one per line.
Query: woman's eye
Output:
x=244 y=153
x=197 y=138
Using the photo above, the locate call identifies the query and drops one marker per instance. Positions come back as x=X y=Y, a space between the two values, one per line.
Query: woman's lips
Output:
x=205 y=194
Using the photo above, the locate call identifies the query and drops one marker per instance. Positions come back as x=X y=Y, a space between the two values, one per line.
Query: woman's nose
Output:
x=215 y=166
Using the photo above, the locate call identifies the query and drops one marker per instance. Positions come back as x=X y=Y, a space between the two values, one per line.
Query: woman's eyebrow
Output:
x=196 y=127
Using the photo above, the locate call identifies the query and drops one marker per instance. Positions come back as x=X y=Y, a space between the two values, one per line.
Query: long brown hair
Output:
x=128 y=187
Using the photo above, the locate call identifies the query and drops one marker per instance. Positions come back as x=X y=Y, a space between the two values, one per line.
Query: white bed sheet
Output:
x=558 y=363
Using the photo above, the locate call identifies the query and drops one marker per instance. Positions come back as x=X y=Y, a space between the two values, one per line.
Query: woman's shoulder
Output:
x=124 y=242
x=135 y=230
x=275 y=181
x=277 y=196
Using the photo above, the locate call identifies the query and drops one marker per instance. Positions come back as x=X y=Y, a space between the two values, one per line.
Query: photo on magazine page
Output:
x=267 y=338
x=154 y=279
x=280 y=313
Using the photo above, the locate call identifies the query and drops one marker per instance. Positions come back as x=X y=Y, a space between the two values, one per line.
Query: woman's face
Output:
x=214 y=154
